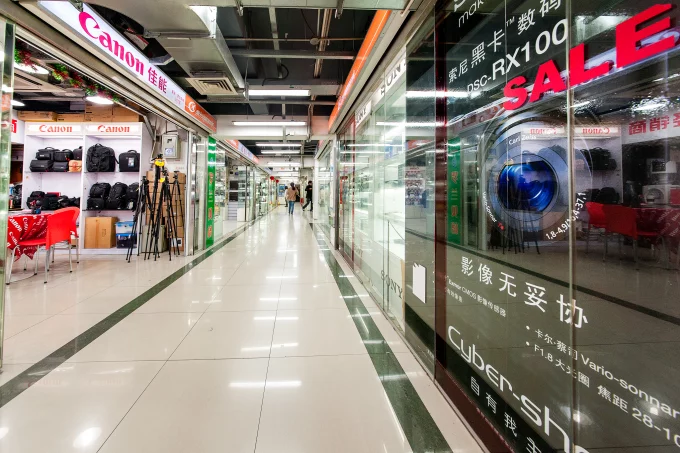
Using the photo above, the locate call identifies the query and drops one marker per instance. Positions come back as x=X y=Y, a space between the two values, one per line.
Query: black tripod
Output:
x=155 y=201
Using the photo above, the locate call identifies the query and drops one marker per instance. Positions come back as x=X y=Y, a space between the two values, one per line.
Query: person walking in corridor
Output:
x=291 y=196
x=308 y=197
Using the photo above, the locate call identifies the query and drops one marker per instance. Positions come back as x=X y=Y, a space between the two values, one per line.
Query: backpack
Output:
x=64 y=202
x=132 y=196
x=129 y=161
x=100 y=190
x=75 y=201
x=100 y=158
x=78 y=153
x=96 y=204
x=116 y=198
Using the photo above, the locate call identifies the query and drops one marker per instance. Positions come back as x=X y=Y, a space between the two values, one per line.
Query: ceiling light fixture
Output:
x=99 y=100
x=269 y=123
x=286 y=93
x=35 y=69
x=280 y=151
x=16 y=103
x=277 y=144
x=283 y=164
x=6 y=89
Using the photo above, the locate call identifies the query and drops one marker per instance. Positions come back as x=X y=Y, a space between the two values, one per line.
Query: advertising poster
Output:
x=210 y=199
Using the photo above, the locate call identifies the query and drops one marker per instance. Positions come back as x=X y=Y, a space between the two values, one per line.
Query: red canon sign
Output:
x=46 y=128
x=629 y=50
x=117 y=129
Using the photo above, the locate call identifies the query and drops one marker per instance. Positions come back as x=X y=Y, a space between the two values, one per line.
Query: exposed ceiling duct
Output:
x=188 y=33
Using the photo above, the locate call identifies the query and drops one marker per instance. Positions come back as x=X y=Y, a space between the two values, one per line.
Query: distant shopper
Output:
x=292 y=195
x=308 y=196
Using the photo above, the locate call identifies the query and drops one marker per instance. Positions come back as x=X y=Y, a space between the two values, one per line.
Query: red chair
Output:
x=58 y=230
x=622 y=220
x=74 y=229
x=596 y=219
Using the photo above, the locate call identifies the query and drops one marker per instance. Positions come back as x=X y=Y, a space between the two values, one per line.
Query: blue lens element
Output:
x=530 y=186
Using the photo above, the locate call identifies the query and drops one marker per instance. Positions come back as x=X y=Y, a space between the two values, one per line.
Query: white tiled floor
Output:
x=254 y=350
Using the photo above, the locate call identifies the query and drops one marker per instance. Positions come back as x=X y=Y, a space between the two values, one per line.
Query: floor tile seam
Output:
x=17 y=385
x=132 y=406
x=30 y=327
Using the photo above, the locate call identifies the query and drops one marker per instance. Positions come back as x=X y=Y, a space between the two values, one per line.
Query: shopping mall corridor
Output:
x=266 y=343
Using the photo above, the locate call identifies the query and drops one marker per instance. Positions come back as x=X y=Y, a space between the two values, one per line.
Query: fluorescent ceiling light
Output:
x=99 y=100
x=270 y=123
x=7 y=89
x=16 y=103
x=283 y=164
x=362 y=152
x=401 y=124
x=365 y=145
x=35 y=69
x=280 y=151
x=286 y=93
x=277 y=145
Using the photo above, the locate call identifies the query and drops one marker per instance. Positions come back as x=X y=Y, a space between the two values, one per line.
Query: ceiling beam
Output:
x=302 y=54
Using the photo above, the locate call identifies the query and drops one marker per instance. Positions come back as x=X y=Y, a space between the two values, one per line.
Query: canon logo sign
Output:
x=46 y=128
x=117 y=129
x=91 y=27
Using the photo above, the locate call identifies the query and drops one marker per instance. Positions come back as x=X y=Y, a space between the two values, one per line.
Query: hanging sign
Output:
x=89 y=25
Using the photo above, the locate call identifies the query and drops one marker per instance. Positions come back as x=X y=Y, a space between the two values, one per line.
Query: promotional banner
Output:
x=210 y=199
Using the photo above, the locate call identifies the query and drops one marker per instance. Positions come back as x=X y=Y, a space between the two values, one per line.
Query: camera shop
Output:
x=116 y=161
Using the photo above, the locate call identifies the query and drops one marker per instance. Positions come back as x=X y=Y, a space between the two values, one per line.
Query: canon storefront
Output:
x=544 y=294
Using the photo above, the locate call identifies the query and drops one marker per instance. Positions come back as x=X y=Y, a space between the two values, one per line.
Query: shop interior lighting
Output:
x=277 y=145
x=280 y=151
x=270 y=123
x=284 y=93
x=35 y=69
x=414 y=124
x=364 y=145
x=16 y=103
x=99 y=100
x=283 y=164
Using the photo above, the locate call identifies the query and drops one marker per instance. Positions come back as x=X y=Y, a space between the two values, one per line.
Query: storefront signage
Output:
x=210 y=196
x=114 y=129
x=374 y=30
x=390 y=78
x=629 y=34
x=362 y=113
x=54 y=129
x=88 y=24
x=243 y=151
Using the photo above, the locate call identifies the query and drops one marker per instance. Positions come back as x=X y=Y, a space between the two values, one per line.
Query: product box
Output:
x=162 y=244
x=70 y=117
x=123 y=115
x=124 y=241
x=98 y=113
x=100 y=232
x=33 y=116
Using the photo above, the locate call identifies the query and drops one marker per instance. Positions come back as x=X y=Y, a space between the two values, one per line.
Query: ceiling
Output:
x=223 y=52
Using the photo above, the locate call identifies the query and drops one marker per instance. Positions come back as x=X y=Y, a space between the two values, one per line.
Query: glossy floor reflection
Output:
x=254 y=349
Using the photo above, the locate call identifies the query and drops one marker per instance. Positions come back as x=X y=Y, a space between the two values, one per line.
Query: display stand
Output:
x=55 y=135
x=122 y=137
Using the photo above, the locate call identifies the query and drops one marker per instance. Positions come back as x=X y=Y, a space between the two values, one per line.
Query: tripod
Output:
x=155 y=200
